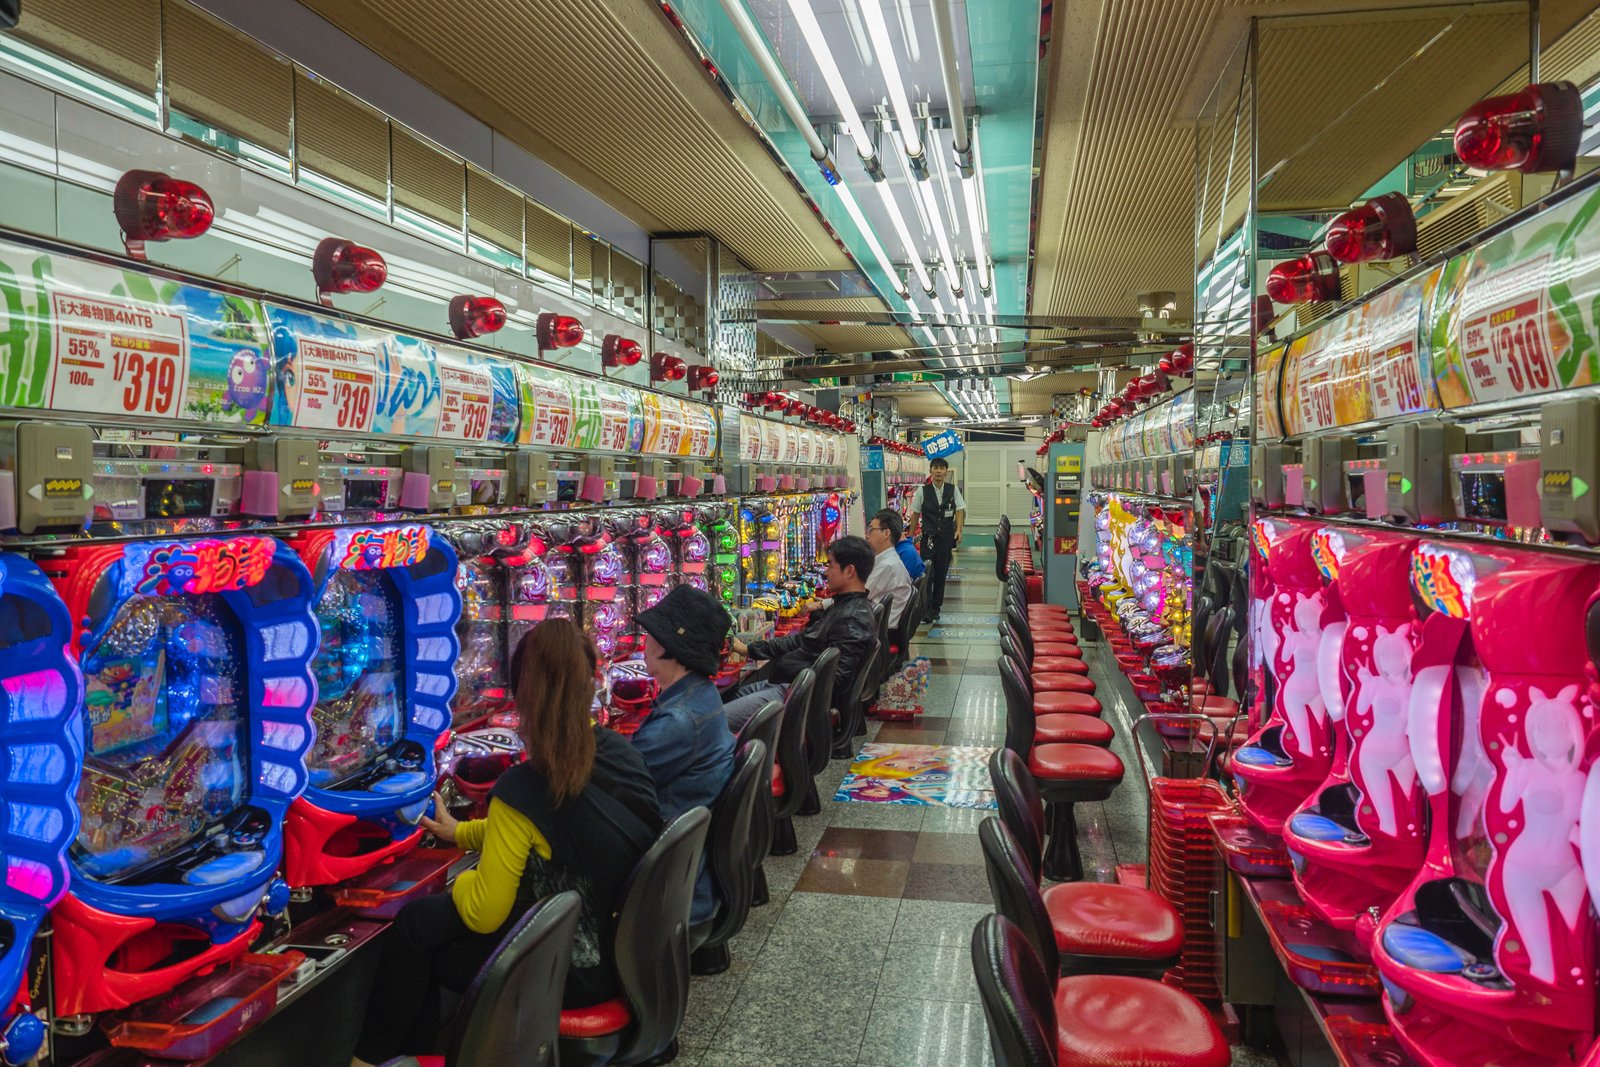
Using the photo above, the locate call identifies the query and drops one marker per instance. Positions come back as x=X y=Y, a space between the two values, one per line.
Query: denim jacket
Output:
x=686 y=744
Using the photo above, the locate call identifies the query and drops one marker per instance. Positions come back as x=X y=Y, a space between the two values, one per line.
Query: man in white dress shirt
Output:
x=889 y=577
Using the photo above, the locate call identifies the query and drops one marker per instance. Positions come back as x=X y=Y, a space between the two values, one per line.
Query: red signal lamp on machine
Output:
x=1310 y=279
x=774 y=401
x=665 y=368
x=703 y=378
x=1179 y=361
x=1382 y=228
x=795 y=408
x=1537 y=129
x=619 y=351
x=152 y=206
x=559 y=331
x=342 y=266
x=474 y=316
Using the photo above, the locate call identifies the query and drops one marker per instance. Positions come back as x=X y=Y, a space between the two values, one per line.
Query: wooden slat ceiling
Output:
x=1129 y=77
x=607 y=92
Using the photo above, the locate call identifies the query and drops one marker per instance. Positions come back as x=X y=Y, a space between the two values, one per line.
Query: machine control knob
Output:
x=21 y=1039
x=277 y=896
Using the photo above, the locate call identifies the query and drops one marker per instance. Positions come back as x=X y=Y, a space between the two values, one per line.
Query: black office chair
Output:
x=793 y=769
x=728 y=853
x=852 y=717
x=763 y=726
x=1018 y=997
x=652 y=952
x=512 y=1010
x=903 y=631
x=819 y=728
x=880 y=659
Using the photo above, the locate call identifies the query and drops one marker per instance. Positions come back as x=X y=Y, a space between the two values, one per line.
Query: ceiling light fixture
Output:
x=811 y=30
x=904 y=117
x=941 y=236
x=750 y=33
x=980 y=254
x=854 y=210
x=904 y=233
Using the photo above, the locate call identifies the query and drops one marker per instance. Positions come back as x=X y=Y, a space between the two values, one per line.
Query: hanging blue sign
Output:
x=943 y=443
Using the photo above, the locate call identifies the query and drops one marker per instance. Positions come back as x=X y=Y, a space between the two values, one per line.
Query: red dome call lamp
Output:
x=342 y=266
x=559 y=331
x=1382 y=228
x=1313 y=278
x=703 y=378
x=1537 y=129
x=152 y=206
x=474 y=316
x=666 y=368
x=619 y=351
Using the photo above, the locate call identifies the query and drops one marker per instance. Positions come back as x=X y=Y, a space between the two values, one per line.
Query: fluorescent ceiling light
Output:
x=904 y=233
x=854 y=210
x=980 y=254
x=878 y=30
x=938 y=420
x=821 y=53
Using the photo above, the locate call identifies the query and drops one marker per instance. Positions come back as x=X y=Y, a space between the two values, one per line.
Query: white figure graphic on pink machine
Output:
x=1385 y=750
x=1541 y=859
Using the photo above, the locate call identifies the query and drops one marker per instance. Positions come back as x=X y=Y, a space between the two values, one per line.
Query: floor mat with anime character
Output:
x=954 y=776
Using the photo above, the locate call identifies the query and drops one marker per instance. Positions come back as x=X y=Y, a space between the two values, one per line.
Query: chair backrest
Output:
x=1002 y=548
x=729 y=840
x=763 y=726
x=1018 y=996
x=1019 y=621
x=1021 y=808
x=880 y=660
x=1009 y=632
x=652 y=936
x=791 y=749
x=1019 y=707
x=1016 y=895
x=909 y=618
x=511 y=1013
x=819 y=717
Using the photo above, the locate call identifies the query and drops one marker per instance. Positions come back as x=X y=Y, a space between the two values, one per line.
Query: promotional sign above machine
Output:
x=944 y=443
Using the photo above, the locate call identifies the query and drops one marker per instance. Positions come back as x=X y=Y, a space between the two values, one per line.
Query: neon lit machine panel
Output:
x=386 y=608
x=196 y=658
x=41 y=700
x=691 y=548
x=490 y=571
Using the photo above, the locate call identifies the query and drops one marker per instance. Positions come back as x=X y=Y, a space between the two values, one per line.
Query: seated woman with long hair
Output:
x=578 y=813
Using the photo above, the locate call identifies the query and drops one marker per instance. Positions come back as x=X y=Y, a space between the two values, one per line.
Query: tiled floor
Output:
x=862 y=955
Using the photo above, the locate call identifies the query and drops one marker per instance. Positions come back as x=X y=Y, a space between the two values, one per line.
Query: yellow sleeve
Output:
x=469 y=835
x=484 y=896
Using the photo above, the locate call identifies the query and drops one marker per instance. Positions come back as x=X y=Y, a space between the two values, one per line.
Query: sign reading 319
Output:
x=117 y=357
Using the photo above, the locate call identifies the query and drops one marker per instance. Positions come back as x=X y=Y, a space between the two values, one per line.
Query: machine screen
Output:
x=1483 y=495
x=166 y=740
x=178 y=499
x=360 y=710
x=480 y=669
x=1358 y=491
x=366 y=494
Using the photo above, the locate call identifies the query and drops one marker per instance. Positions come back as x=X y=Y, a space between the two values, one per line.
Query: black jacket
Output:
x=595 y=839
x=847 y=625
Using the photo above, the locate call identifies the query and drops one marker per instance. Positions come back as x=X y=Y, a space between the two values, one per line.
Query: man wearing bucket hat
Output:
x=685 y=740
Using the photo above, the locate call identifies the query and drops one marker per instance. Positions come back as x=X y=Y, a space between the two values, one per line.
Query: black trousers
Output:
x=428 y=949
x=936 y=550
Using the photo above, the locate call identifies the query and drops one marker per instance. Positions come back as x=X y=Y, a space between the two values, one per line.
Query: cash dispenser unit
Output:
x=533 y=483
x=653 y=480
x=1267 y=461
x=162 y=483
x=1570 y=473
x=599 y=481
x=430 y=478
x=1323 y=487
x=483 y=481
x=281 y=478
x=1418 y=482
x=49 y=467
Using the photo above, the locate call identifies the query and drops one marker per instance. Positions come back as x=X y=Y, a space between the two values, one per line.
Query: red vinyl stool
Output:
x=1062 y=683
x=1084 y=1020
x=1059 y=665
x=1062 y=649
x=1071 y=729
x=1098 y=927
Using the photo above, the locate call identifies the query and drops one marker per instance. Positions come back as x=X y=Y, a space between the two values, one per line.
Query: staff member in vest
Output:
x=576 y=814
x=940 y=517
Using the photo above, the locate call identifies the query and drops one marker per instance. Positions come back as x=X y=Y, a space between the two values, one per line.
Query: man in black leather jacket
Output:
x=847 y=626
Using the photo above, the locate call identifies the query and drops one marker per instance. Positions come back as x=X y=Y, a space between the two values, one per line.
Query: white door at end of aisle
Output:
x=992 y=487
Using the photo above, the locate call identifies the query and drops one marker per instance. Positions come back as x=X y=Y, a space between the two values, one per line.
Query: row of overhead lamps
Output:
x=966 y=153
x=152 y=207
x=1537 y=129
x=889 y=445
x=1147 y=387
x=781 y=404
